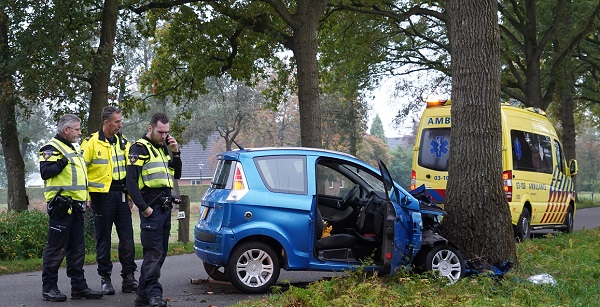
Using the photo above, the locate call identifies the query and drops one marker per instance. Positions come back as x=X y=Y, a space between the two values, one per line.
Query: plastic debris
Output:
x=542 y=279
x=479 y=267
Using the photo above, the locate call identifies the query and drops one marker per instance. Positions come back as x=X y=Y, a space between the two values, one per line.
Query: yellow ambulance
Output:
x=537 y=181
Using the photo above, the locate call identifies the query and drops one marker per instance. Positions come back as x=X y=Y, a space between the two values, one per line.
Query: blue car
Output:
x=310 y=209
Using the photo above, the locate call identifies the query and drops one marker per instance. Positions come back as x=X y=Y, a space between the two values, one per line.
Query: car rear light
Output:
x=413 y=180
x=507 y=179
x=240 y=185
x=238 y=178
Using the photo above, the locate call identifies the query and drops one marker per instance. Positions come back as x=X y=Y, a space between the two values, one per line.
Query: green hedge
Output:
x=23 y=235
x=195 y=193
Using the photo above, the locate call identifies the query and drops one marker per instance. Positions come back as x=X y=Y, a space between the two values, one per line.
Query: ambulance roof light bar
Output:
x=437 y=102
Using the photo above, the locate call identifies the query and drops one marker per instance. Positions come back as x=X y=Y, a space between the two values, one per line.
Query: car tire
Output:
x=215 y=272
x=523 y=227
x=568 y=224
x=447 y=261
x=253 y=267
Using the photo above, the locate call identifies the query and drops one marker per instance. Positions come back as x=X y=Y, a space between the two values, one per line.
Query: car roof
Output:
x=265 y=151
x=289 y=151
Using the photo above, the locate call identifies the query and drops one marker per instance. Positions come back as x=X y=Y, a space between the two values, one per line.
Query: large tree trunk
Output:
x=103 y=62
x=15 y=167
x=478 y=218
x=305 y=52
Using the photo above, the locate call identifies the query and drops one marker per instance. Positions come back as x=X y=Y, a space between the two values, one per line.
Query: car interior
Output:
x=354 y=215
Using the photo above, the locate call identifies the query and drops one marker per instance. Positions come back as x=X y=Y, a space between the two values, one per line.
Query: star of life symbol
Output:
x=439 y=146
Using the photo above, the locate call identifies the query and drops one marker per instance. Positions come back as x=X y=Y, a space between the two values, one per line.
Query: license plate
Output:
x=204 y=212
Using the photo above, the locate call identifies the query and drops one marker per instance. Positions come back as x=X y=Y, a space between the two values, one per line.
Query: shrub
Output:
x=23 y=234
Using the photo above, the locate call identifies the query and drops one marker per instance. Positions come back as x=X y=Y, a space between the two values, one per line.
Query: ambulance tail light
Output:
x=507 y=179
x=240 y=185
x=413 y=180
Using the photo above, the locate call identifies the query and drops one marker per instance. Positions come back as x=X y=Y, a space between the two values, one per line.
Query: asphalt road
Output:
x=25 y=289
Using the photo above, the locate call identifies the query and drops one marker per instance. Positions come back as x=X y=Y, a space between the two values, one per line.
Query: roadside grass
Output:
x=572 y=259
x=588 y=201
x=175 y=247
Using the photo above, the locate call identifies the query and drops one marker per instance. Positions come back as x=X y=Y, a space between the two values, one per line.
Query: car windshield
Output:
x=374 y=182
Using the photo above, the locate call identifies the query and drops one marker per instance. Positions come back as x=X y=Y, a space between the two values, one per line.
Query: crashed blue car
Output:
x=310 y=209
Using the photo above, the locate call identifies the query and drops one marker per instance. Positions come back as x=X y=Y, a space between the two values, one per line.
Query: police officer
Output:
x=150 y=177
x=65 y=191
x=105 y=155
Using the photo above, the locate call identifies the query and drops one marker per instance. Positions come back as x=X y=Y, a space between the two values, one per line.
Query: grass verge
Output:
x=175 y=247
x=572 y=259
x=29 y=265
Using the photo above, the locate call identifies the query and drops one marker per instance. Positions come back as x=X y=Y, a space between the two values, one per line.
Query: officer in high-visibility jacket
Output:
x=65 y=191
x=105 y=153
x=150 y=177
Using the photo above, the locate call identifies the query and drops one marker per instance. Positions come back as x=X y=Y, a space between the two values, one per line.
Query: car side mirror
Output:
x=573 y=167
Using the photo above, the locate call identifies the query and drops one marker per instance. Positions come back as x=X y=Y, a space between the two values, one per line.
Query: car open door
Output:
x=390 y=216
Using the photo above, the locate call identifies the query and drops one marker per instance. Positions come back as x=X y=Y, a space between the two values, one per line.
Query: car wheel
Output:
x=523 y=227
x=447 y=261
x=568 y=224
x=215 y=272
x=253 y=267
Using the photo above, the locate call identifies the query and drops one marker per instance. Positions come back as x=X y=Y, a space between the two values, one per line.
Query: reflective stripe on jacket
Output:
x=156 y=172
x=105 y=162
x=72 y=179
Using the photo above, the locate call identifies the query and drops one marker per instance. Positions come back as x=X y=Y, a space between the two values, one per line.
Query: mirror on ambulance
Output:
x=573 y=167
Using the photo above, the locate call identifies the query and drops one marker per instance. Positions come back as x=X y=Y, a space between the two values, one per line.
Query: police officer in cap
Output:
x=151 y=172
x=65 y=191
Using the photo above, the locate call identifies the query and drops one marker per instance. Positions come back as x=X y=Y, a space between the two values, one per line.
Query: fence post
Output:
x=183 y=233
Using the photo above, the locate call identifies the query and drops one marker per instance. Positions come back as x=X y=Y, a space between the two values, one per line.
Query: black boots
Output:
x=129 y=283
x=107 y=288
x=54 y=295
x=155 y=301
x=85 y=294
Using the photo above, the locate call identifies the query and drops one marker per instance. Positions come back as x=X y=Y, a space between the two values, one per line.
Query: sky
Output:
x=386 y=107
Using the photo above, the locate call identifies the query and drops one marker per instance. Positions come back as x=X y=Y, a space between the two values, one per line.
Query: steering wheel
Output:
x=348 y=197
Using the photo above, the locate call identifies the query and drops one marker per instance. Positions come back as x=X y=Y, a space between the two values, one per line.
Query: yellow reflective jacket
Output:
x=156 y=172
x=105 y=162
x=72 y=179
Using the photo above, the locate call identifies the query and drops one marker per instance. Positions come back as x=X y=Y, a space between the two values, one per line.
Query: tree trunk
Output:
x=305 y=47
x=305 y=51
x=533 y=90
x=103 y=62
x=478 y=218
x=15 y=167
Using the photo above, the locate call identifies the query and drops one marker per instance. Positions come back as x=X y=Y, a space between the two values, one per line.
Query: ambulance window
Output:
x=560 y=160
x=434 y=148
x=531 y=152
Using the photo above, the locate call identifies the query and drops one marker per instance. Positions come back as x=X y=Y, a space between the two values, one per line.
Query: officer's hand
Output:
x=130 y=202
x=148 y=212
x=172 y=142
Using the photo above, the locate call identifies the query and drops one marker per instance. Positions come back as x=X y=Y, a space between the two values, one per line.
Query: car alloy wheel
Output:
x=253 y=267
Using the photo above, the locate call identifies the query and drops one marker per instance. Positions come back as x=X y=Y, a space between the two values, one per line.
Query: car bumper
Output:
x=214 y=247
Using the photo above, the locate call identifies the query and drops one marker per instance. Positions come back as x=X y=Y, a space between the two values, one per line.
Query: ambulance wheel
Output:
x=568 y=224
x=447 y=261
x=253 y=267
x=523 y=227
x=217 y=273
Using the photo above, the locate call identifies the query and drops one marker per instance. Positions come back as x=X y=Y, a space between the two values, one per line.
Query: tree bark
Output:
x=103 y=61
x=478 y=218
x=304 y=47
x=15 y=167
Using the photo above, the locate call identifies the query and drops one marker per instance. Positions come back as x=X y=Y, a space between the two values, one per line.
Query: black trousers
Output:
x=155 y=231
x=110 y=208
x=65 y=239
